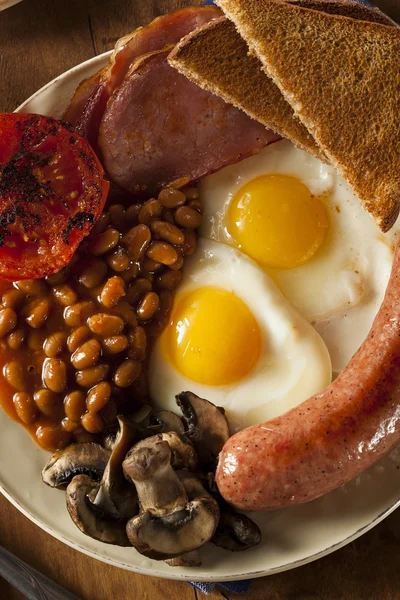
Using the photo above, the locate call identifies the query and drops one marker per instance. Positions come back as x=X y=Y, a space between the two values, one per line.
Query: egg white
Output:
x=339 y=290
x=294 y=361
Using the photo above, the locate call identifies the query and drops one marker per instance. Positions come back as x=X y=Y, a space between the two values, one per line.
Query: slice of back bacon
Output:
x=159 y=126
x=90 y=99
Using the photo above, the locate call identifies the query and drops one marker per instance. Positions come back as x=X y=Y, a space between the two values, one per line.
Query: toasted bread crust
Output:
x=216 y=58
x=346 y=8
x=342 y=78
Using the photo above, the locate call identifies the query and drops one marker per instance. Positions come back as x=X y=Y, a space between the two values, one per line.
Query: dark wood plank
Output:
x=81 y=575
x=40 y=39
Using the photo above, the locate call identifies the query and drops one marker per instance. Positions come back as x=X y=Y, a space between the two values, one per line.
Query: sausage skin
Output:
x=330 y=438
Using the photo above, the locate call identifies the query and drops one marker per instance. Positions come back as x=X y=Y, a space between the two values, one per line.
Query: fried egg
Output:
x=234 y=339
x=303 y=226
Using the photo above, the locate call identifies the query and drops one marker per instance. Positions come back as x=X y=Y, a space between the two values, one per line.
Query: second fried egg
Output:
x=234 y=339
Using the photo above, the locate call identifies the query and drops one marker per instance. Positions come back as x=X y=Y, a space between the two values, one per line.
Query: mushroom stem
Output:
x=177 y=514
x=148 y=465
x=115 y=497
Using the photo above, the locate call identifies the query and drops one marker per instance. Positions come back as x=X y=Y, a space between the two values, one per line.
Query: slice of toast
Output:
x=216 y=57
x=342 y=78
x=346 y=8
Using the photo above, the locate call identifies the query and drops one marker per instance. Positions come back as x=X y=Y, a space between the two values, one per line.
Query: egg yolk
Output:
x=213 y=337
x=276 y=221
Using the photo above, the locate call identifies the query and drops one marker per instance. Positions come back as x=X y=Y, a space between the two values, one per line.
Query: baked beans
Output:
x=115 y=344
x=55 y=344
x=47 y=402
x=105 y=324
x=148 y=306
x=162 y=252
x=171 y=198
x=136 y=241
x=92 y=422
x=75 y=405
x=77 y=337
x=93 y=273
x=150 y=211
x=127 y=372
x=73 y=345
x=8 y=320
x=104 y=241
x=168 y=232
x=86 y=355
x=113 y=291
x=188 y=217
x=87 y=378
x=98 y=397
x=25 y=407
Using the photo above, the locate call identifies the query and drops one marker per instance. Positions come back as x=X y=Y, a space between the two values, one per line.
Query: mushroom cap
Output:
x=206 y=426
x=87 y=458
x=87 y=518
x=181 y=531
x=177 y=533
x=236 y=532
x=169 y=421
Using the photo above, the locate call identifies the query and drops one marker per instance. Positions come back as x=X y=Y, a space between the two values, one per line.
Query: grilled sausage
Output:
x=330 y=438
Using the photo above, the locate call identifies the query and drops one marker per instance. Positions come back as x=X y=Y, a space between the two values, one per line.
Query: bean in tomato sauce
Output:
x=73 y=346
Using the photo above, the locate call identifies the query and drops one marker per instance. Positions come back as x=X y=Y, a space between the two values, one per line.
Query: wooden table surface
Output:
x=40 y=39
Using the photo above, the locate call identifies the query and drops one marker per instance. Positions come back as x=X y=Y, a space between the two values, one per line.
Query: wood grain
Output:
x=39 y=39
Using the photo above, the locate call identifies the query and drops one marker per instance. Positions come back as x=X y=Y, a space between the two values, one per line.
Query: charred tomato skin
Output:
x=52 y=191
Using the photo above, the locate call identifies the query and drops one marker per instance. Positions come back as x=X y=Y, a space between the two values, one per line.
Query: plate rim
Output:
x=175 y=575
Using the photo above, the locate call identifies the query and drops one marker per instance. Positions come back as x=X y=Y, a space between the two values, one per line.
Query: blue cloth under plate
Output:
x=231 y=586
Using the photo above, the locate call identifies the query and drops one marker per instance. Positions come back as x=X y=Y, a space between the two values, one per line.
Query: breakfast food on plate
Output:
x=73 y=344
x=147 y=484
x=332 y=437
x=150 y=124
x=357 y=130
x=324 y=252
x=52 y=190
x=171 y=128
x=230 y=336
x=237 y=76
x=284 y=272
x=90 y=99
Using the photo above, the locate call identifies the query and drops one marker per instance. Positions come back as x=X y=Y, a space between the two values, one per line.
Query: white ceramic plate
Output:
x=291 y=537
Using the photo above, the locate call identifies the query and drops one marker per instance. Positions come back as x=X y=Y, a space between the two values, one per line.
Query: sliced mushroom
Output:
x=184 y=456
x=206 y=426
x=236 y=532
x=142 y=412
x=137 y=420
x=85 y=458
x=148 y=465
x=171 y=522
x=114 y=496
x=169 y=421
x=90 y=521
